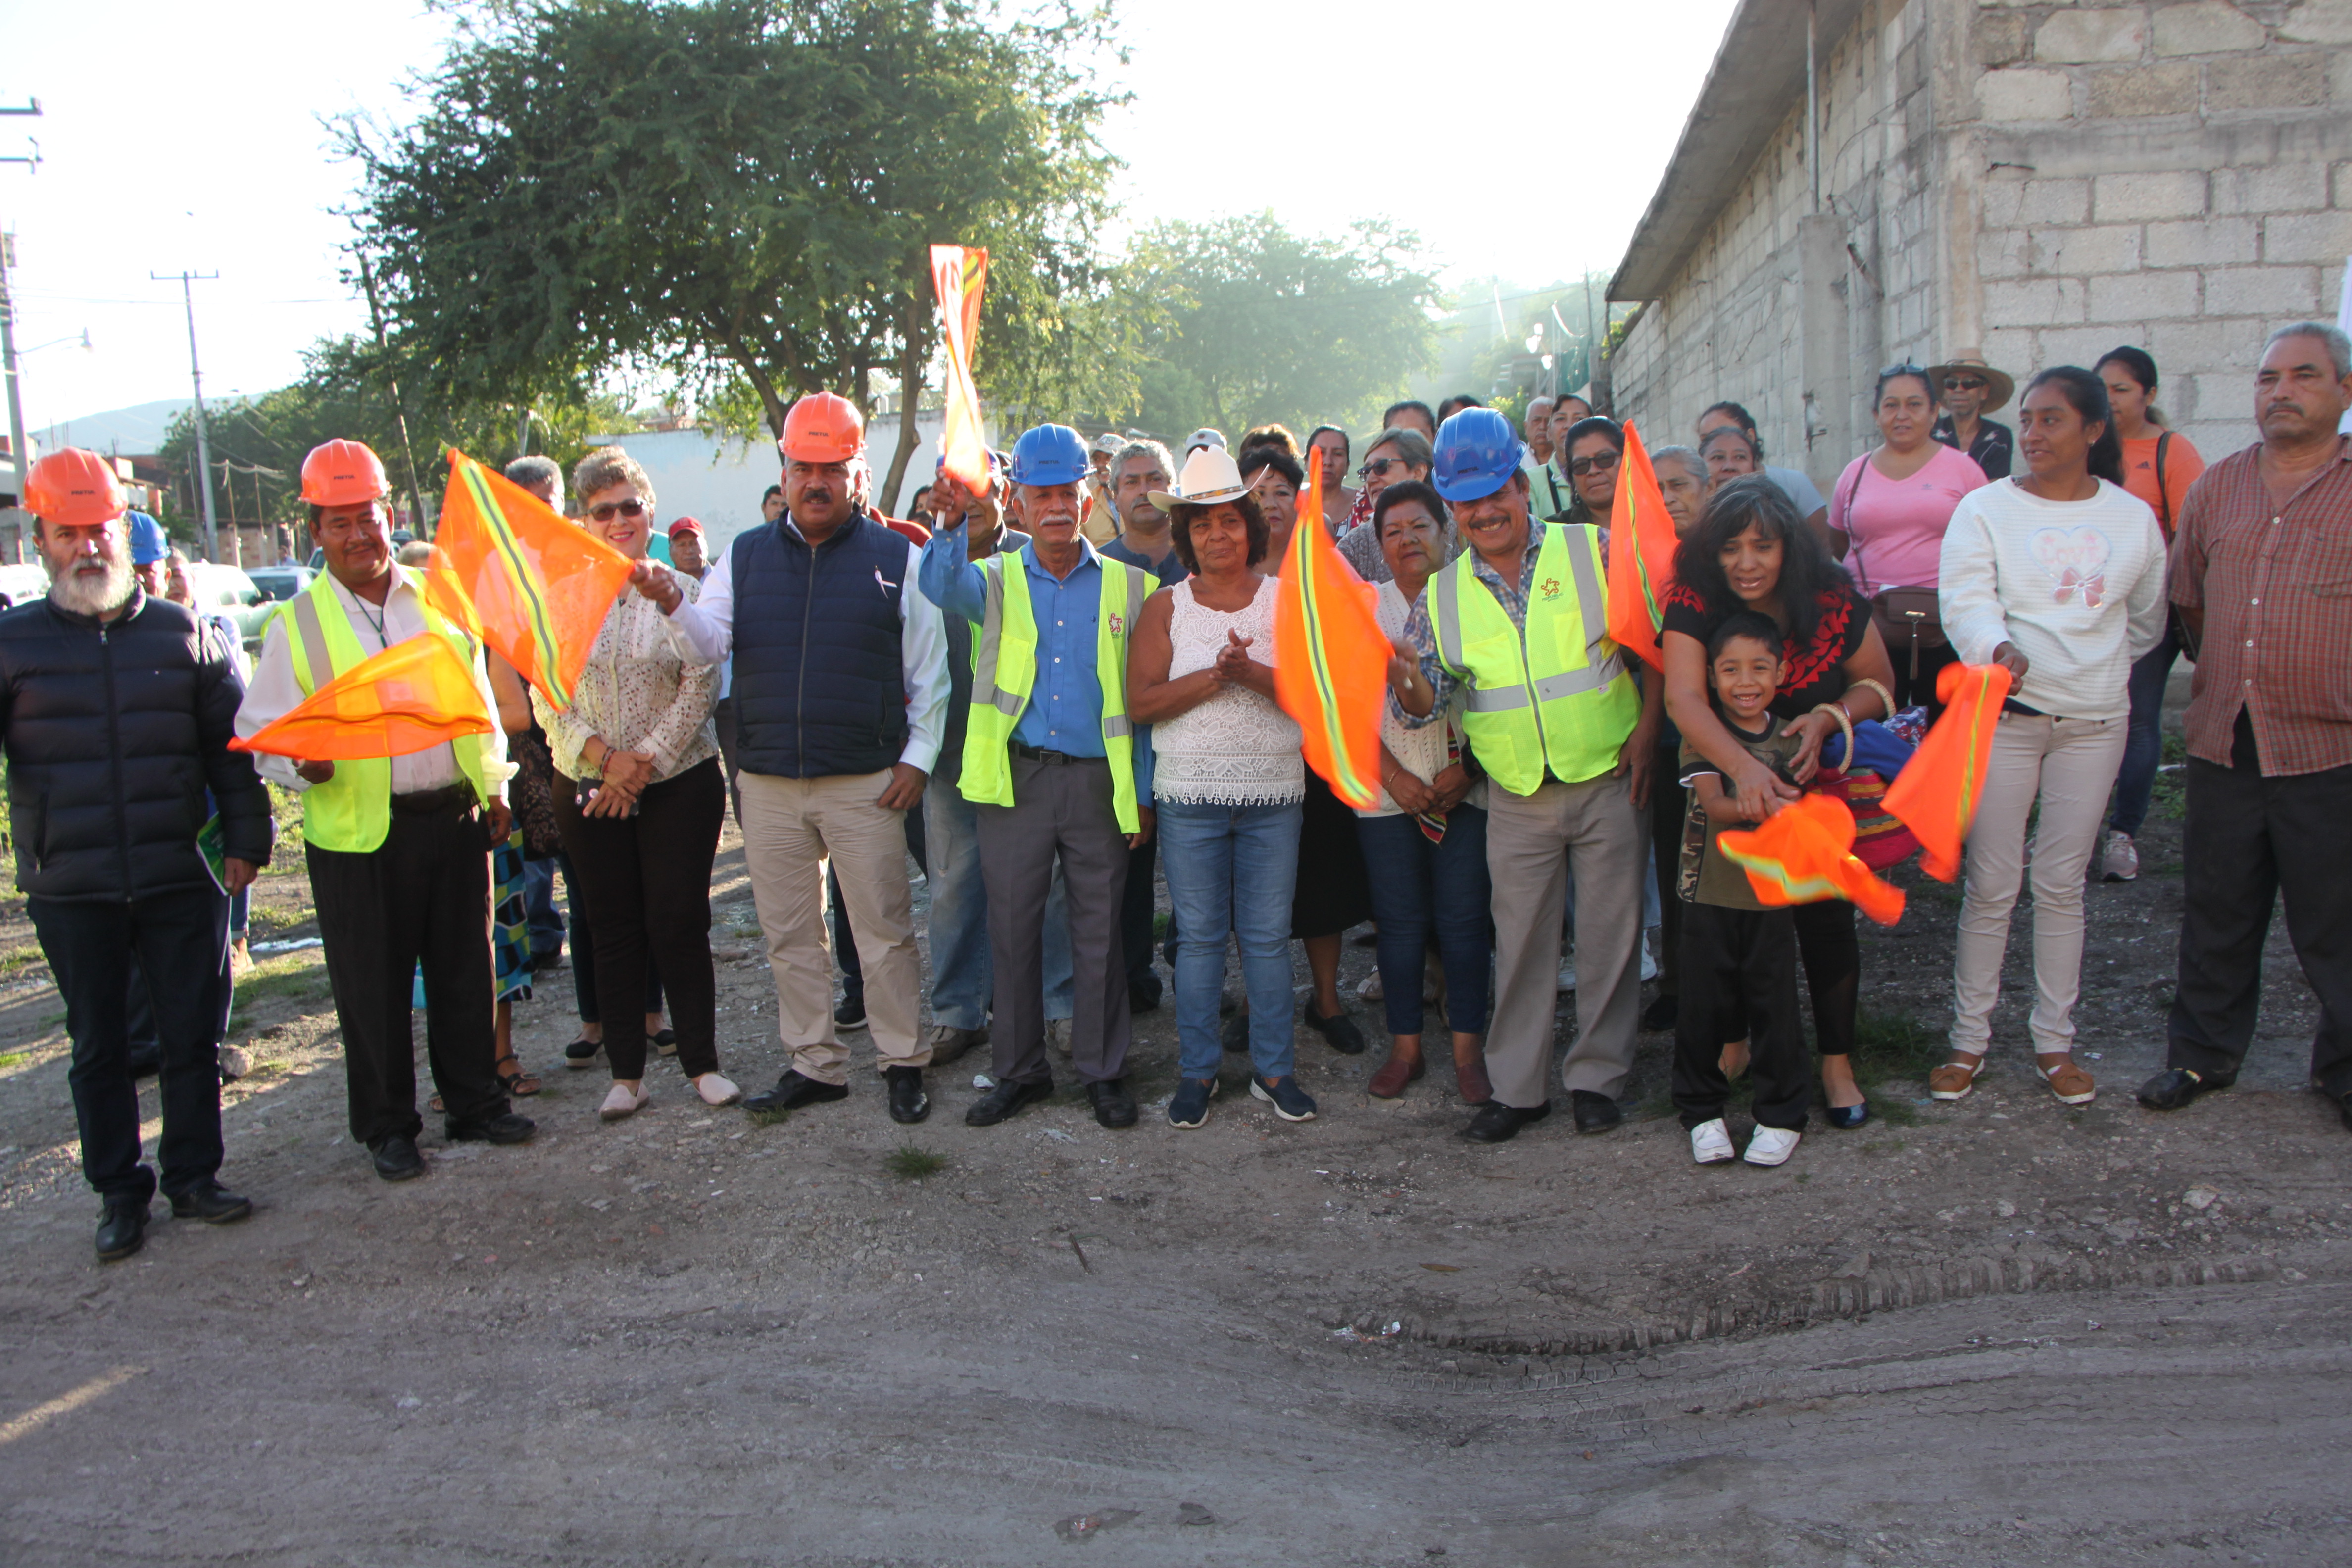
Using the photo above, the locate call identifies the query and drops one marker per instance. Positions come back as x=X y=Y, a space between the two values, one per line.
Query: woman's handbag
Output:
x=1910 y=618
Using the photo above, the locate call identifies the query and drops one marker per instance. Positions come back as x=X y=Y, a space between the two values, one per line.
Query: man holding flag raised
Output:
x=398 y=853
x=1555 y=718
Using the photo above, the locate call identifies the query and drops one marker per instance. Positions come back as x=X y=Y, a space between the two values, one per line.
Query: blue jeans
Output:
x=2144 y=742
x=1419 y=887
x=963 y=978
x=1232 y=868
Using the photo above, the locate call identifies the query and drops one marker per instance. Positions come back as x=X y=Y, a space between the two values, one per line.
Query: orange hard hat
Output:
x=822 y=428
x=74 y=489
x=344 y=473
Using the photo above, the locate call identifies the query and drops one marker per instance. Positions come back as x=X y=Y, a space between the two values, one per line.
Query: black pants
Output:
x=1135 y=915
x=583 y=936
x=1739 y=969
x=1919 y=691
x=648 y=882
x=845 y=941
x=423 y=894
x=1833 y=957
x=181 y=940
x=2249 y=839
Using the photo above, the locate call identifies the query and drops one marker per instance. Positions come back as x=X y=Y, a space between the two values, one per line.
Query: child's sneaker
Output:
x=1711 y=1143
x=1771 y=1146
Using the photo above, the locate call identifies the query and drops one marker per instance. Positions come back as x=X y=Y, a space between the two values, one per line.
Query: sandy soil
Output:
x=1992 y=1333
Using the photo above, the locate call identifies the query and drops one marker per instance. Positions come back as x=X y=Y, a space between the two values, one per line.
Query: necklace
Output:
x=374 y=620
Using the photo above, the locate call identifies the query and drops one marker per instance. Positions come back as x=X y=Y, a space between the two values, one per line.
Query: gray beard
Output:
x=87 y=593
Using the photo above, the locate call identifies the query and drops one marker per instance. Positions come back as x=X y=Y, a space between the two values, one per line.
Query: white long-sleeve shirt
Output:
x=703 y=630
x=2077 y=585
x=274 y=692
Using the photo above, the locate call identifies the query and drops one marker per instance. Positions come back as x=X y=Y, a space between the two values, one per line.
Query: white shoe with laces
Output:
x=1771 y=1146
x=2118 y=858
x=1711 y=1143
x=717 y=1089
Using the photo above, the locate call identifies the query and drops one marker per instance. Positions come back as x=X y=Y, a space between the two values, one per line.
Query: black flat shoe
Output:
x=211 y=1203
x=1005 y=1100
x=909 y=1103
x=396 y=1159
x=582 y=1053
x=795 y=1089
x=2176 y=1087
x=504 y=1128
x=1848 y=1116
x=1143 y=993
x=1661 y=1015
x=1499 y=1123
x=1113 y=1107
x=1594 y=1112
x=1338 y=1032
x=122 y=1231
x=851 y=1013
x=664 y=1043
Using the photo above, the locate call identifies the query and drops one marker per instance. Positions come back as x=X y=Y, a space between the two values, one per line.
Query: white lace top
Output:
x=1237 y=748
x=1421 y=753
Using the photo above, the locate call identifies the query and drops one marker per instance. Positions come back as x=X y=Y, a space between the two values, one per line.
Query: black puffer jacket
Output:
x=113 y=732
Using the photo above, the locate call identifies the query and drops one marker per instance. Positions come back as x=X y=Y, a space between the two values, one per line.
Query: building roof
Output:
x=1758 y=72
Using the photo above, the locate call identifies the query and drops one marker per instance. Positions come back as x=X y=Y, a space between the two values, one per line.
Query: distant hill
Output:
x=134 y=432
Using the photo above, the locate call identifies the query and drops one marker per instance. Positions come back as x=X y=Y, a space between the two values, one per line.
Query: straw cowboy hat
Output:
x=2000 y=385
x=1210 y=476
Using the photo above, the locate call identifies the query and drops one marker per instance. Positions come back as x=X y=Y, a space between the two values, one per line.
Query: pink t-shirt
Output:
x=1897 y=526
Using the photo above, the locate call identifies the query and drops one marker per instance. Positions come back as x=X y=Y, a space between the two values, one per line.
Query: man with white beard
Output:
x=116 y=710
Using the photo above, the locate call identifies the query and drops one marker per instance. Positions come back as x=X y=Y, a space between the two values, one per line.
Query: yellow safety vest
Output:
x=352 y=812
x=1004 y=673
x=1558 y=697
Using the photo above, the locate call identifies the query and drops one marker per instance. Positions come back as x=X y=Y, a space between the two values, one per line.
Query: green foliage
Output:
x=1261 y=324
x=910 y=1163
x=1889 y=1045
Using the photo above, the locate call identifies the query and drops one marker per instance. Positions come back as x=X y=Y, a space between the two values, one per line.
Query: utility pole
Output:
x=188 y=280
x=18 y=458
x=399 y=404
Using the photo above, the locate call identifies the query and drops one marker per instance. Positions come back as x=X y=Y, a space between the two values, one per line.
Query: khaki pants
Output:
x=1531 y=842
x=791 y=827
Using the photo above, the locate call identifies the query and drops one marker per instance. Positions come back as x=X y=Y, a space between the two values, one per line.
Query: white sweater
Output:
x=2077 y=585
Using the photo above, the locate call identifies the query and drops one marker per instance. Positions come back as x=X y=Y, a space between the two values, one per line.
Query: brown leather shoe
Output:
x=1471 y=1076
x=1394 y=1073
x=2070 y=1083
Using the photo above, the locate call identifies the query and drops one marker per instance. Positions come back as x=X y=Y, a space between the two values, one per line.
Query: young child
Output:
x=1739 y=958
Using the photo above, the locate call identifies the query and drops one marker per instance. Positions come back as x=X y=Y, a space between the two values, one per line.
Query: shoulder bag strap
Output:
x=2163 y=490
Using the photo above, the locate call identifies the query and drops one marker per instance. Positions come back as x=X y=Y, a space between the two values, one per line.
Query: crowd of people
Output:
x=1055 y=690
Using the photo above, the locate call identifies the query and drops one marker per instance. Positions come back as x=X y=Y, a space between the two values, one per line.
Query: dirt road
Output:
x=1994 y=1333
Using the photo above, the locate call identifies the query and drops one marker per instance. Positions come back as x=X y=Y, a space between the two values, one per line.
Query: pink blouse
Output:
x=1897 y=526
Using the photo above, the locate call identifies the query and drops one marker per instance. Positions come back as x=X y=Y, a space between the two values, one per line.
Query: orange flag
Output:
x=412 y=696
x=520 y=575
x=1803 y=854
x=1935 y=796
x=959 y=277
x=1641 y=555
x=1330 y=656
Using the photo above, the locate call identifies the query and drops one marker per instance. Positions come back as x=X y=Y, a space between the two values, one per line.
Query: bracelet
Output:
x=1885 y=698
x=1845 y=722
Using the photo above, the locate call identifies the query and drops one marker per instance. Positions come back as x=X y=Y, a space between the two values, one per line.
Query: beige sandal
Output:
x=1954 y=1079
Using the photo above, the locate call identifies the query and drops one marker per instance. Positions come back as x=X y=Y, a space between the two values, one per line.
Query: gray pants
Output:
x=1531 y=842
x=1064 y=808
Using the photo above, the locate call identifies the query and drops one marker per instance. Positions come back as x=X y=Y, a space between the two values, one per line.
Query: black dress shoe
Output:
x=211 y=1203
x=1499 y=1123
x=851 y=1013
x=909 y=1103
x=2176 y=1087
x=795 y=1089
x=1143 y=993
x=1661 y=1015
x=121 y=1230
x=507 y=1127
x=1113 y=1107
x=396 y=1159
x=1005 y=1100
x=1594 y=1112
x=1338 y=1032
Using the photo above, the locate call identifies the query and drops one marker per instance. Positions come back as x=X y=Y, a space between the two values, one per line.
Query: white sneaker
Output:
x=716 y=1089
x=1368 y=989
x=2118 y=858
x=1711 y=1143
x=1057 y=1035
x=623 y=1102
x=1771 y=1146
x=1567 y=978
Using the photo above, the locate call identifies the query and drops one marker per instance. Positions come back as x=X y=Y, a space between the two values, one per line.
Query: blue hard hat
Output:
x=1476 y=452
x=1050 y=455
x=147 y=545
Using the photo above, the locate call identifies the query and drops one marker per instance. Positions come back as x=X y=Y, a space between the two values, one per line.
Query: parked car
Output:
x=279 y=584
x=228 y=591
x=19 y=585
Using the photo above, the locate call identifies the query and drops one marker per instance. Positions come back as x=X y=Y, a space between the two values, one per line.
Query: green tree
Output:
x=1262 y=324
x=737 y=195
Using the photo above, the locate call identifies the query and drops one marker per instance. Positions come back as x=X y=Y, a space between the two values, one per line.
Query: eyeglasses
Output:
x=1964 y=383
x=1378 y=467
x=1598 y=463
x=631 y=509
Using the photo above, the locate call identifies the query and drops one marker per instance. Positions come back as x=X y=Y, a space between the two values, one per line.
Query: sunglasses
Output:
x=1964 y=383
x=1378 y=467
x=1598 y=463
x=631 y=509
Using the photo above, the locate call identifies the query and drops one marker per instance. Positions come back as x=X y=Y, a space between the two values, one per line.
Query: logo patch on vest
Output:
x=1551 y=586
x=1117 y=625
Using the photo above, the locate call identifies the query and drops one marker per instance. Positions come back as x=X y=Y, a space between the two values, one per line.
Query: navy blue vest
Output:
x=819 y=686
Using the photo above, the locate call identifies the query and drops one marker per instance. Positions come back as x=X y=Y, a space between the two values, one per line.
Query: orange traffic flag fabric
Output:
x=1330 y=656
x=1935 y=796
x=1641 y=555
x=959 y=279
x=1803 y=854
x=411 y=697
x=520 y=575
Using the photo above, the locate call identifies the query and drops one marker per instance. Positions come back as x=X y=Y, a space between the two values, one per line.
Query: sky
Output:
x=190 y=138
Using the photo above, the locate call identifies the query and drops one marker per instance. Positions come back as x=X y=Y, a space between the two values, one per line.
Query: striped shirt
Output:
x=2274 y=582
